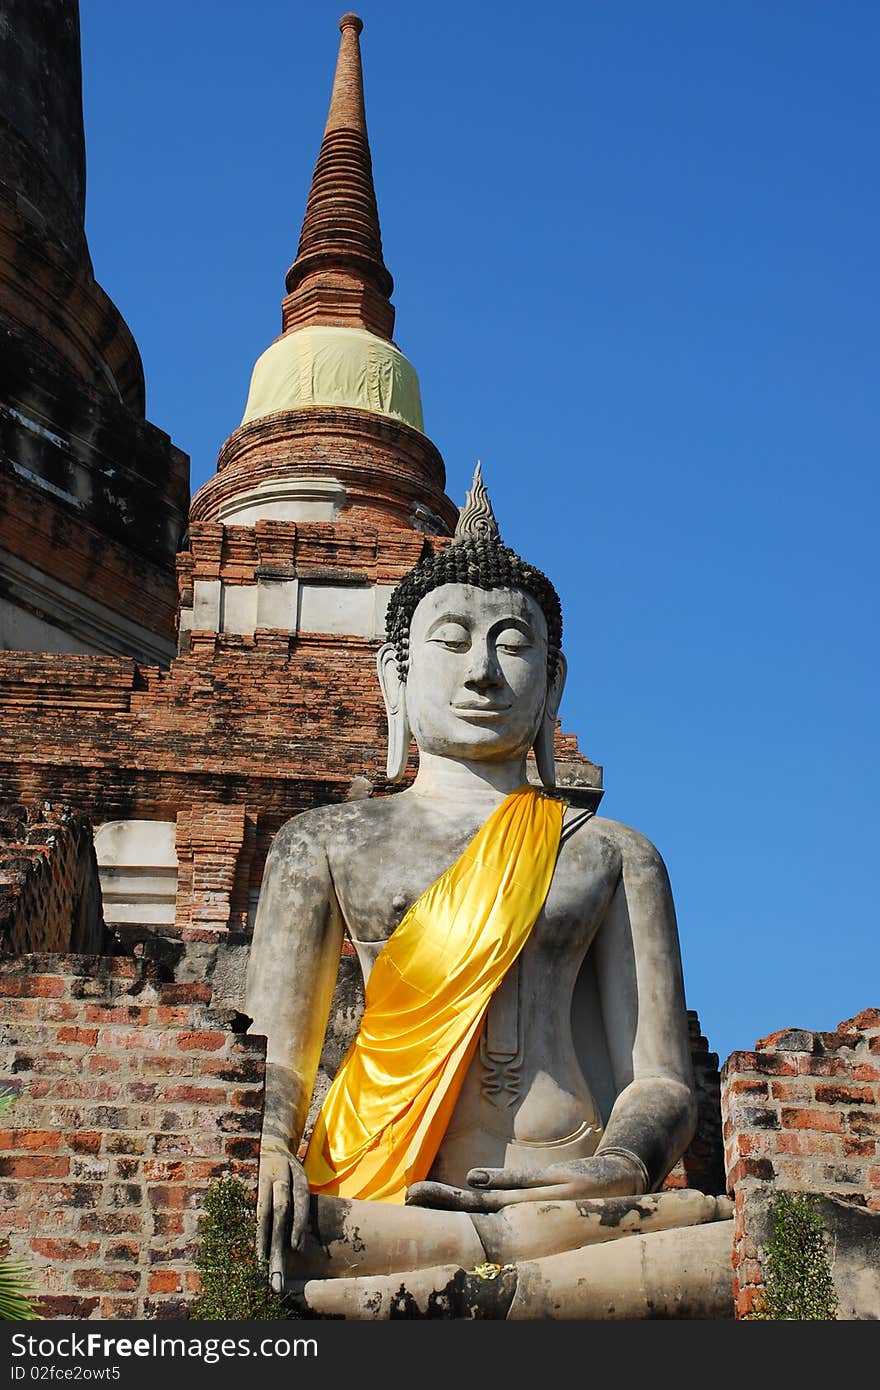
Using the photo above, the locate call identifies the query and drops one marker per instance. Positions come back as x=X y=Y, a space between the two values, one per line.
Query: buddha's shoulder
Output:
x=347 y=822
x=623 y=842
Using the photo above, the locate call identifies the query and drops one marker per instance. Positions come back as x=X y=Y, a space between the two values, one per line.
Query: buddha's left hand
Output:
x=490 y=1189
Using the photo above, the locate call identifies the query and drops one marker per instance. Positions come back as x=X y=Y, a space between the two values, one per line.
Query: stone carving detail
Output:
x=501 y=1046
x=476 y=520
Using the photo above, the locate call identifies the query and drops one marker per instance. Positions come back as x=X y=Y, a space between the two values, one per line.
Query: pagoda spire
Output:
x=339 y=277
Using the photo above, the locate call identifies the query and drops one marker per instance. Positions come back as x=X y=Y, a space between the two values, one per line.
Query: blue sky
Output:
x=635 y=255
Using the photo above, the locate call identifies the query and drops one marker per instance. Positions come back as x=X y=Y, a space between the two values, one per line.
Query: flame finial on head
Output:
x=476 y=520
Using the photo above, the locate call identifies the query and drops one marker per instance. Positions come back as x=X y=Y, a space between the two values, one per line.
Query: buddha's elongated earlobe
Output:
x=543 y=745
x=394 y=695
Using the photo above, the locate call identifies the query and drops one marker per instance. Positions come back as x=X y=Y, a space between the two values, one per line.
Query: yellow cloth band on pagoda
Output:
x=387 y=1110
x=334 y=366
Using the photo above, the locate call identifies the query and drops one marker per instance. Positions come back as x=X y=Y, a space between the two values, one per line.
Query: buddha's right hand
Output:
x=282 y=1207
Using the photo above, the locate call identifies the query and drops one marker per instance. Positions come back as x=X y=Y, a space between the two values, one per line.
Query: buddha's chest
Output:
x=376 y=894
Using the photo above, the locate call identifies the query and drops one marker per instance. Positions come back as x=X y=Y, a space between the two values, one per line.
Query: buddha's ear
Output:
x=394 y=695
x=543 y=745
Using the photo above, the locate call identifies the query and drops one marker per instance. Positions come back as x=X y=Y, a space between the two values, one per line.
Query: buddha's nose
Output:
x=484 y=669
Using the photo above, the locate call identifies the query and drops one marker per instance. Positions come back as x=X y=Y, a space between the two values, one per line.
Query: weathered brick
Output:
x=66 y=1306
x=829 y=1121
x=111 y=1222
x=126 y=1250
x=34 y=1167
x=37 y=1140
x=85 y=1037
x=32 y=986
x=84 y=1141
x=750 y=1086
x=200 y=1041
x=119 y=1142
x=63 y=1249
x=91 y=1278
x=843 y=1095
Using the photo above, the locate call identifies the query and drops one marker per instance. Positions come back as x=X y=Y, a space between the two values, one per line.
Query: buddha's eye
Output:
x=513 y=640
x=452 y=636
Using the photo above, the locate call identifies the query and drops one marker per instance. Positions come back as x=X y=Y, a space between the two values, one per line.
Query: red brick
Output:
x=164 y=1171
x=828 y=1121
x=104 y=1014
x=185 y=993
x=822 y=1066
x=859 y=1148
x=87 y=1037
x=63 y=1249
x=39 y=1139
x=743 y=1085
x=205 y=1169
x=65 y=1306
x=808 y=1141
x=197 y=1095
x=867 y=1020
x=748 y=1299
x=84 y=1141
x=59 y=1010
x=200 y=1041
x=787 y=1040
x=32 y=986
x=101 y=1063
x=34 y=1167
x=119 y=1309
x=163 y=1196
x=792 y=1089
x=164 y=1281
x=844 y=1095
x=866 y=1071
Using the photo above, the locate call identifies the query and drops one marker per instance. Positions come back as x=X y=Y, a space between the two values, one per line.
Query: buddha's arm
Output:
x=291 y=975
x=638 y=968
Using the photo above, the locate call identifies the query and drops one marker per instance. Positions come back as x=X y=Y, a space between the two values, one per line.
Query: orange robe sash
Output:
x=387 y=1110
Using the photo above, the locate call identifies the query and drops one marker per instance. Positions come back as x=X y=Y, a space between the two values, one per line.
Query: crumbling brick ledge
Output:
x=802 y=1113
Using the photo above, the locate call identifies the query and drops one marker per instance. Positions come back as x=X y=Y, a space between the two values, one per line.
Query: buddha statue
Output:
x=496 y=1137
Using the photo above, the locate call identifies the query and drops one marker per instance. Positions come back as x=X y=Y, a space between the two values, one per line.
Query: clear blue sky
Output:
x=635 y=249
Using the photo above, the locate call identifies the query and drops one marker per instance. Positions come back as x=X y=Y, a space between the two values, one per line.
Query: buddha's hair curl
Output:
x=485 y=563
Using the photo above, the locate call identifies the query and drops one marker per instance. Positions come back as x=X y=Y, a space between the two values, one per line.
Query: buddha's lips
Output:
x=481 y=711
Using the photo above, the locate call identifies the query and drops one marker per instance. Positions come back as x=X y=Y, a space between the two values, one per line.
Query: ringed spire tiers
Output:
x=333 y=428
x=339 y=277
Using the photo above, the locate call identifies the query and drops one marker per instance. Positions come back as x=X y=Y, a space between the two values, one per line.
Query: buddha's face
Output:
x=477 y=679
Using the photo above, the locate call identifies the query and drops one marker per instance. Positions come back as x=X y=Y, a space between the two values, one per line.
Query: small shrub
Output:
x=235 y=1282
x=797 y=1272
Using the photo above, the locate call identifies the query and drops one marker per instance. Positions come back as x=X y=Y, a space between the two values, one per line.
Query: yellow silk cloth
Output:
x=387 y=1110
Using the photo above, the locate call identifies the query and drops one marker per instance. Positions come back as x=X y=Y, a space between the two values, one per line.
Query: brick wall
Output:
x=132 y=1097
x=802 y=1113
x=702 y=1165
